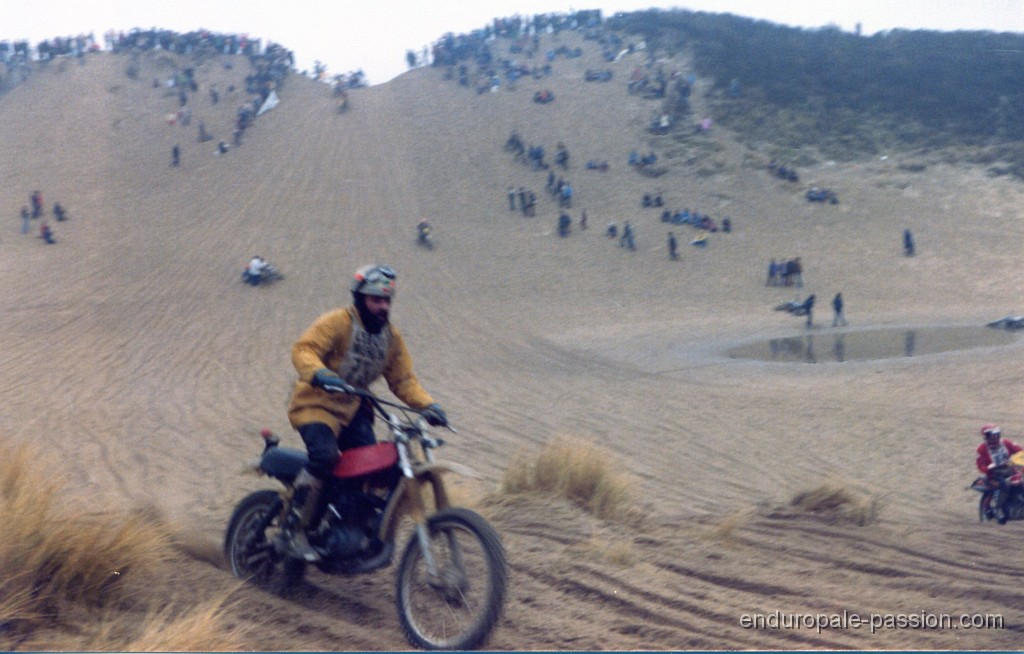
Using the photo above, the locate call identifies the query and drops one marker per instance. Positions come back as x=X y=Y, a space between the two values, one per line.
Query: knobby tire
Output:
x=250 y=552
x=459 y=610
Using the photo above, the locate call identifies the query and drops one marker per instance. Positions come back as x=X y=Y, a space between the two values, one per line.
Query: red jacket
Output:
x=985 y=456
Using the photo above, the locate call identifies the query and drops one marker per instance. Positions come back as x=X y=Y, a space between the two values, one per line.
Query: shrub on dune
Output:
x=836 y=501
x=59 y=563
x=578 y=471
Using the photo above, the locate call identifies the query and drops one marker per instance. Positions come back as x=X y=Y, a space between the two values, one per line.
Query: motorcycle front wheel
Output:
x=459 y=605
x=249 y=551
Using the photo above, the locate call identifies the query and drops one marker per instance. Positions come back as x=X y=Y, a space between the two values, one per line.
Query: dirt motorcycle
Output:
x=423 y=237
x=451 y=576
x=990 y=488
x=268 y=275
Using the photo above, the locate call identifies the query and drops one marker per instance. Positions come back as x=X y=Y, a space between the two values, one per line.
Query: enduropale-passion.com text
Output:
x=874 y=622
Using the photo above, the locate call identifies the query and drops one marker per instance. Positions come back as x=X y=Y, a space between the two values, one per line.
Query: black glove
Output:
x=435 y=416
x=325 y=377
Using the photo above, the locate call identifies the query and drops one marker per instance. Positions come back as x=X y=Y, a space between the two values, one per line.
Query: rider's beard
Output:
x=373 y=322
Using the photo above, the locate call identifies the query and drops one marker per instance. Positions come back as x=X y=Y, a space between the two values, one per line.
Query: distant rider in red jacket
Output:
x=993 y=459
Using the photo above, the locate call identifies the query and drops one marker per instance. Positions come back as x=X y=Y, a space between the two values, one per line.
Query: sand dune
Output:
x=136 y=356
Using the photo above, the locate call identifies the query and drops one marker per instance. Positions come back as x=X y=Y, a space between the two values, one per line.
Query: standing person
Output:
x=564 y=224
x=908 y=243
x=809 y=304
x=37 y=204
x=837 y=308
x=511 y=199
x=175 y=156
x=673 y=246
x=798 y=273
x=993 y=456
x=626 y=240
x=348 y=347
x=25 y=218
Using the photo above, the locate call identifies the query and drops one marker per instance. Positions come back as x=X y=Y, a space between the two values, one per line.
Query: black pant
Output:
x=323 y=447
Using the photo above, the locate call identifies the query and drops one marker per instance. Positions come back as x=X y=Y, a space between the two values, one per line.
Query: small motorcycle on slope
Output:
x=267 y=275
x=990 y=488
x=423 y=237
x=451 y=577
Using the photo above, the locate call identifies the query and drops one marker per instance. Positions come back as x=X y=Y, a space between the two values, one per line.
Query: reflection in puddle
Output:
x=871 y=345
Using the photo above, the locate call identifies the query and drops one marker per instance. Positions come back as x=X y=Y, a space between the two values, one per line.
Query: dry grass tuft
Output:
x=161 y=629
x=837 y=501
x=618 y=552
x=58 y=562
x=578 y=471
x=725 y=531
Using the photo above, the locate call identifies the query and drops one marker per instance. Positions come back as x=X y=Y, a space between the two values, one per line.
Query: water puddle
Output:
x=871 y=345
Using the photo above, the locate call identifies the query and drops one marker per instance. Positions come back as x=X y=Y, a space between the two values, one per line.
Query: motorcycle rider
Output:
x=423 y=232
x=993 y=456
x=254 y=271
x=349 y=347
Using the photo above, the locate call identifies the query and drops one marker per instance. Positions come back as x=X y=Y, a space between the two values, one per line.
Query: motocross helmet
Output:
x=374 y=279
x=990 y=430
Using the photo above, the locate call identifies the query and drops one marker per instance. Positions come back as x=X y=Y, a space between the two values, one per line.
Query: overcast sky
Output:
x=374 y=35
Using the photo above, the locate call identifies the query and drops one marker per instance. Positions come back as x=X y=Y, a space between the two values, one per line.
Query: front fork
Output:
x=418 y=514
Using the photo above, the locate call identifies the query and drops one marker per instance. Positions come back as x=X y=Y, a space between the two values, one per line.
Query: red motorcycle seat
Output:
x=364 y=460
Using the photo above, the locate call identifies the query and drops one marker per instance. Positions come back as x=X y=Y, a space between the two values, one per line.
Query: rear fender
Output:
x=408 y=497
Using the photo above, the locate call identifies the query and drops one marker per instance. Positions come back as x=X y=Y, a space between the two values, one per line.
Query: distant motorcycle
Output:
x=423 y=237
x=990 y=488
x=268 y=275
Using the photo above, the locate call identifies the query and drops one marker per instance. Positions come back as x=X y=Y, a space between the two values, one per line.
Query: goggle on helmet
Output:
x=374 y=279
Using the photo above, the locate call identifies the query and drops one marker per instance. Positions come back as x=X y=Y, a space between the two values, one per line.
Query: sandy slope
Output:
x=133 y=352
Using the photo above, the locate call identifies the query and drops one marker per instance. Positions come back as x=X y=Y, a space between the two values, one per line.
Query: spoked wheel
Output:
x=248 y=546
x=984 y=503
x=457 y=605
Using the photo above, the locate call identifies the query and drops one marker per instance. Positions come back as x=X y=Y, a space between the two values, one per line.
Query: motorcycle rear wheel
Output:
x=249 y=551
x=984 y=502
x=460 y=607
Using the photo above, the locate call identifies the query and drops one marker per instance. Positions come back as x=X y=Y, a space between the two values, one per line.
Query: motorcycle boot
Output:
x=304 y=505
x=1001 y=507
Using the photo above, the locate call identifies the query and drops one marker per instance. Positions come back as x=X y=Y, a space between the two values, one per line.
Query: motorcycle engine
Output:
x=349 y=535
x=345 y=541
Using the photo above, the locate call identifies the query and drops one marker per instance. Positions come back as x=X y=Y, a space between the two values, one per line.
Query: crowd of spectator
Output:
x=273 y=60
x=68 y=46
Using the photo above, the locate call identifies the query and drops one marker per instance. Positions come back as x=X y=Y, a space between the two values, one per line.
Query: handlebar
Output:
x=378 y=403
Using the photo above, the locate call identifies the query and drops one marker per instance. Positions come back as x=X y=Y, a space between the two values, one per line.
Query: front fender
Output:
x=408 y=495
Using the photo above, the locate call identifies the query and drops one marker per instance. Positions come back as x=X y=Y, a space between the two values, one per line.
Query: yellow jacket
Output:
x=325 y=345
